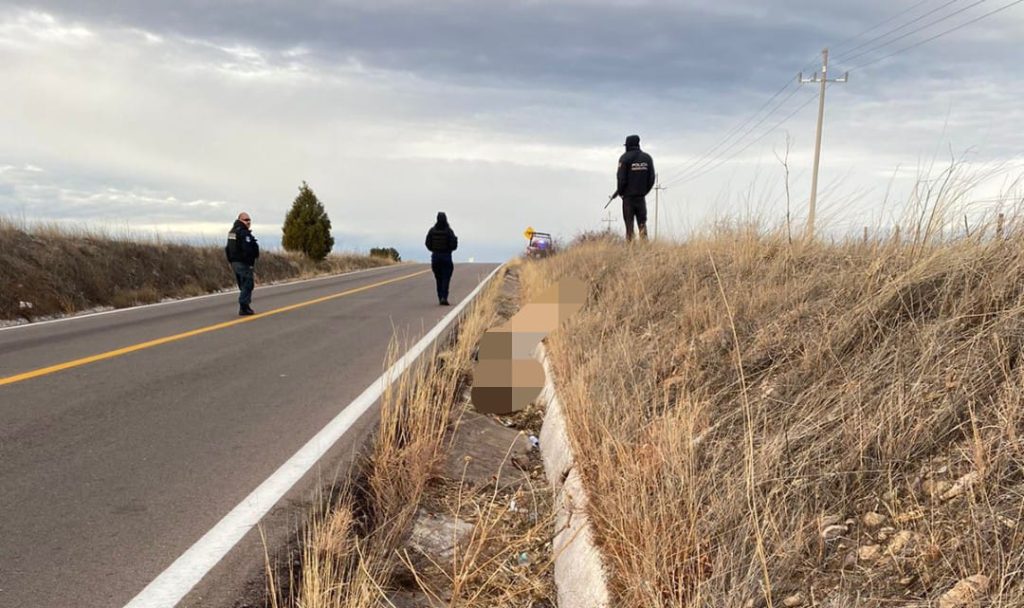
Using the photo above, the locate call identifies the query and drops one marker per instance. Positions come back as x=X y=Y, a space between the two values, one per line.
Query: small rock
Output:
x=869 y=553
x=850 y=560
x=934 y=490
x=873 y=520
x=904 y=543
x=438 y=535
x=884 y=534
x=834 y=531
x=797 y=599
x=967 y=592
x=911 y=515
x=961 y=485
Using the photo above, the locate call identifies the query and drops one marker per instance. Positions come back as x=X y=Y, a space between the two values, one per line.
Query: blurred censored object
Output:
x=507 y=377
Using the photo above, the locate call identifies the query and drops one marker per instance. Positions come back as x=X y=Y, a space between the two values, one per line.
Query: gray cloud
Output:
x=491 y=110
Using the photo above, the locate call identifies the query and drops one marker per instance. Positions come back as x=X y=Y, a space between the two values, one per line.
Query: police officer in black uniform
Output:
x=635 y=179
x=242 y=251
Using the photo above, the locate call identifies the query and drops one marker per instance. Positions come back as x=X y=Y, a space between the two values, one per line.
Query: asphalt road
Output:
x=111 y=469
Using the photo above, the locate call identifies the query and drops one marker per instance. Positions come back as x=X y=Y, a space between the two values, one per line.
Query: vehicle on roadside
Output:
x=541 y=245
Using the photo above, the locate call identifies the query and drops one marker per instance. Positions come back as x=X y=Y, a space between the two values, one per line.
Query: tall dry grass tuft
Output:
x=61 y=271
x=738 y=404
x=351 y=547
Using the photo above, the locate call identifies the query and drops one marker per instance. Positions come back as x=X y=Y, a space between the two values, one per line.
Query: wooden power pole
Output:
x=657 y=191
x=824 y=81
x=608 y=222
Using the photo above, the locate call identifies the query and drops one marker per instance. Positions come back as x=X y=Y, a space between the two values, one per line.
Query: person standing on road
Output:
x=635 y=179
x=441 y=241
x=242 y=251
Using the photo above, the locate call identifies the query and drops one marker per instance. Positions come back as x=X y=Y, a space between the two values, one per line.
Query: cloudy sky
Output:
x=170 y=117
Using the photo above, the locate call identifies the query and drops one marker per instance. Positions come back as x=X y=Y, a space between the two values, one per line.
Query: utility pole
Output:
x=824 y=81
x=657 y=191
x=608 y=222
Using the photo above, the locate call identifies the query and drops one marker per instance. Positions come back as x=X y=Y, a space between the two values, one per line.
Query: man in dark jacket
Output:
x=242 y=251
x=635 y=179
x=441 y=241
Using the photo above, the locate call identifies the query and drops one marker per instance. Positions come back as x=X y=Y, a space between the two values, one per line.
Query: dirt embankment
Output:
x=761 y=423
x=47 y=271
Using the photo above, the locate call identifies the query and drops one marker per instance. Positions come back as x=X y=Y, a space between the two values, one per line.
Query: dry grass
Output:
x=61 y=272
x=354 y=547
x=730 y=397
x=505 y=558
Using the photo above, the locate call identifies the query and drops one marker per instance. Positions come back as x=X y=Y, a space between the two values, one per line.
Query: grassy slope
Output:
x=733 y=397
x=60 y=272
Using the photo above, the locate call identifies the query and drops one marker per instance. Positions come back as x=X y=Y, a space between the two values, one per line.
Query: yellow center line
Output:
x=45 y=371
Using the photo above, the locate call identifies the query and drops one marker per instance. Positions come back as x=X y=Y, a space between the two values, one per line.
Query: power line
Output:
x=939 y=35
x=730 y=133
x=701 y=160
x=698 y=167
x=748 y=146
x=710 y=161
x=840 y=44
x=914 y=31
x=847 y=52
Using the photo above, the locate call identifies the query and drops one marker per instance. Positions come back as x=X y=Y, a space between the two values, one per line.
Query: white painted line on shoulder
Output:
x=176 y=581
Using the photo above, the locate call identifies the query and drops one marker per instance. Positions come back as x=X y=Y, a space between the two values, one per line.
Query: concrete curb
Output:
x=579 y=574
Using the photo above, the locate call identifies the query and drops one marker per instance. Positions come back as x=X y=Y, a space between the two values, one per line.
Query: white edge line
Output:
x=176 y=581
x=227 y=292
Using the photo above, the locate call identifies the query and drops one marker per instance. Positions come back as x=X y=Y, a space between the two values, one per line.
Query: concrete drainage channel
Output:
x=579 y=574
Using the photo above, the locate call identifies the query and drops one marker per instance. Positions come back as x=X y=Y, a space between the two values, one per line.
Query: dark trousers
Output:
x=243 y=274
x=635 y=208
x=441 y=264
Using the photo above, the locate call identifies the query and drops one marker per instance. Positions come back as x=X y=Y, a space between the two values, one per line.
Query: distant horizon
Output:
x=343 y=244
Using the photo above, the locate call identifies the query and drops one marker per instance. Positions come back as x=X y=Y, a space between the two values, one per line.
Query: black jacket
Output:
x=441 y=238
x=242 y=246
x=635 y=174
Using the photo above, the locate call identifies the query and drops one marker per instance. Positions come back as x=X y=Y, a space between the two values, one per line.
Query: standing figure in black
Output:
x=635 y=179
x=441 y=241
x=242 y=251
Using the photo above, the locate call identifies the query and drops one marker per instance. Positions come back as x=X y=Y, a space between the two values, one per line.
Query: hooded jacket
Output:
x=242 y=246
x=636 y=171
x=440 y=237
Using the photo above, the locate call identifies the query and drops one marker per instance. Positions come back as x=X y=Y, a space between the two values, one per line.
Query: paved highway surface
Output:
x=112 y=467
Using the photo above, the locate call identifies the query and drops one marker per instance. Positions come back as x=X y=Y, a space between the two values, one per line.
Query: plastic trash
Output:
x=534 y=441
x=523 y=559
